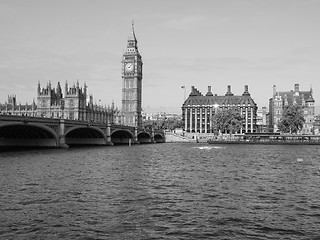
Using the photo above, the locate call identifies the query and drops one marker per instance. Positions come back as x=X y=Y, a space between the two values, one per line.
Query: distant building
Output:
x=262 y=120
x=12 y=108
x=73 y=105
x=198 y=110
x=280 y=100
x=51 y=102
x=316 y=124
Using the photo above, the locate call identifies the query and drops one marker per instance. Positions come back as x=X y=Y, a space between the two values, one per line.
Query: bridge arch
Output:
x=21 y=134
x=121 y=136
x=85 y=135
x=158 y=138
x=144 y=137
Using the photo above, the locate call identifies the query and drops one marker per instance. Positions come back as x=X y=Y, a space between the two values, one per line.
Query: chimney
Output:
x=209 y=93
x=274 y=90
x=246 y=91
x=229 y=93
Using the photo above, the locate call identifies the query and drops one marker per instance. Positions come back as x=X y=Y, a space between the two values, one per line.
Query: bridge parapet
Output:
x=15 y=118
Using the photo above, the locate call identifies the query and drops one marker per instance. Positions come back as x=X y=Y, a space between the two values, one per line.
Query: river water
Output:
x=161 y=191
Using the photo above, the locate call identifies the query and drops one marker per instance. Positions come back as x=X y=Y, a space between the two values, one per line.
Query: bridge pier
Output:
x=152 y=135
x=108 y=135
x=61 y=135
x=135 y=135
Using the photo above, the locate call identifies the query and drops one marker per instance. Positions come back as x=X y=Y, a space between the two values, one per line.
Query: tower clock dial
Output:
x=129 y=67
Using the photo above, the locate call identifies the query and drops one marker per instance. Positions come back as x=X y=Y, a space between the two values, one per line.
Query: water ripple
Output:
x=162 y=191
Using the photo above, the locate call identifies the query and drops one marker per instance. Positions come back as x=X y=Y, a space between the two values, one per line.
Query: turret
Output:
x=39 y=88
x=132 y=40
x=66 y=88
x=58 y=91
x=85 y=89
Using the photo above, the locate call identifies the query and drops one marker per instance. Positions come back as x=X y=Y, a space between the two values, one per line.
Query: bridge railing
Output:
x=14 y=118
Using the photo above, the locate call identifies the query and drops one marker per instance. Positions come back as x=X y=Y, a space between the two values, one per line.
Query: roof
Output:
x=296 y=97
x=196 y=98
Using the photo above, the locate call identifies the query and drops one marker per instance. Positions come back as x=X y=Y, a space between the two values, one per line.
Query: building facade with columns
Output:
x=281 y=99
x=198 y=110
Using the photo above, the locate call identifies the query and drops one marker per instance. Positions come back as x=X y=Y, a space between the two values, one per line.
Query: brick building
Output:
x=281 y=99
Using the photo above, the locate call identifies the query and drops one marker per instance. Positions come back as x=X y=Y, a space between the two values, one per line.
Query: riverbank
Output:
x=178 y=138
x=268 y=139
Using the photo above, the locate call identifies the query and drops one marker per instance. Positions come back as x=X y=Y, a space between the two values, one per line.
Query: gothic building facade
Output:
x=73 y=104
x=11 y=107
x=132 y=83
x=52 y=103
x=280 y=100
x=198 y=110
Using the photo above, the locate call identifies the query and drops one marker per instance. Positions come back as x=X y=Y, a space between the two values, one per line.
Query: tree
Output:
x=292 y=119
x=229 y=120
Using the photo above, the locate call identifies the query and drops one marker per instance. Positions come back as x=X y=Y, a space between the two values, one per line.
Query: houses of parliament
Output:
x=73 y=102
x=73 y=105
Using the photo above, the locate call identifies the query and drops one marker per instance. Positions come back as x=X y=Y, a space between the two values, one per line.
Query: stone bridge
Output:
x=20 y=131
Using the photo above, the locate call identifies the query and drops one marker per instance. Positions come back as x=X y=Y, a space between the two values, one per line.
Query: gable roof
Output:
x=296 y=97
x=197 y=99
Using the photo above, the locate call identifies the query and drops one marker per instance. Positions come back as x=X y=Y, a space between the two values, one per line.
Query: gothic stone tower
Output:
x=131 y=83
x=75 y=102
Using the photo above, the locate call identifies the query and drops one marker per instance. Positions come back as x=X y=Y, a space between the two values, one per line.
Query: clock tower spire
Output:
x=132 y=83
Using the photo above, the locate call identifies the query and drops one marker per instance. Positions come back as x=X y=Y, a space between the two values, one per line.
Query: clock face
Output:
x=129 y=67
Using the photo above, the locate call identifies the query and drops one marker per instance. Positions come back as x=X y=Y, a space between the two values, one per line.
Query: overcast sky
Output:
x=182 y=43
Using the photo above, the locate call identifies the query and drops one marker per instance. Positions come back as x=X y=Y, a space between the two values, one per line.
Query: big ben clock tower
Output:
x=131 y=83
